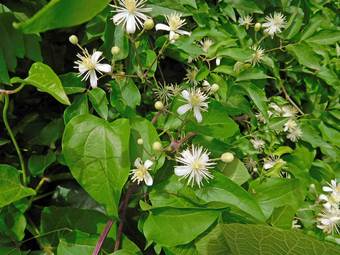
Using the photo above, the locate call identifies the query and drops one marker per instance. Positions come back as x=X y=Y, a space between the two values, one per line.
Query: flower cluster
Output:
x=329 y=218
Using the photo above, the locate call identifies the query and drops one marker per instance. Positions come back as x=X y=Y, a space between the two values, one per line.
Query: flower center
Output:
x=140 y=173
x=88 y=63
x=130 y=5
x=197 y=165
x=175 y=22
x=195 y=100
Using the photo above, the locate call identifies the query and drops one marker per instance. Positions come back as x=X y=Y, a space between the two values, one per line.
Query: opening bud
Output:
x=157 y=146
x=140 y=141
x=214 y=88
x=227 y=157
x=257 y=27
x=115 y=50
x=149 y=24
x=73 y=39
x=159 y=105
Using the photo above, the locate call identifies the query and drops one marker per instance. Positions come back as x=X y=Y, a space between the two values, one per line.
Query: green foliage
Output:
x=220 y=136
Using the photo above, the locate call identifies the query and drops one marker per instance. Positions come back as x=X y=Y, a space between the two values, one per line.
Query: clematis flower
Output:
x=195 y=101
x=174 y=24
x=246 y=21
x=274 y=23
x=89 y=64
x=257 y=56
x=257 y=143
x=194 y=165
x=329 y=221
x=130 y=13
x=141 y=172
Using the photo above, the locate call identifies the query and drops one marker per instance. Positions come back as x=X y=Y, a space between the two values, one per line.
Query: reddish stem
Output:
x=102 y=237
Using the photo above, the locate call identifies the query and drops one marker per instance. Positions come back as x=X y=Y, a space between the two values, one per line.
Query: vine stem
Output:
x=102 y=237
x=9 y=130
x=122 y=208
x=289 y=98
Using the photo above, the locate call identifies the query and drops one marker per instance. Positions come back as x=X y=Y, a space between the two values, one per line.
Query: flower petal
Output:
x=148 y=164
x=95 y=56
x=185 y=94
x=182 y=32
x=162 y=27
x=138 y=162
x=148 y=179
x=106 y=68
x=130 y=24
x=197 y=114
x=182 y=170
x=93 y=79
x=183 y=109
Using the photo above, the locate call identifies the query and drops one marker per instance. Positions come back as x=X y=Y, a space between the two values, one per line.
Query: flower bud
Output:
x=73 y=39
x=140 y=141
x=149 y=24
x=159 y=105
x=157 y=146
x=218 y=61
x=115 y=50
x=257 y=26
x=214 y=88
x=227 y=157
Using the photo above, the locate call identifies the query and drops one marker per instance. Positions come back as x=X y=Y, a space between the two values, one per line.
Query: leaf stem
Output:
x=9 y=130
x=289 y=98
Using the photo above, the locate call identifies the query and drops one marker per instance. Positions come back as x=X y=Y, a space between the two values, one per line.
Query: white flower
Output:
x=294 y=134
x=277 y=109
x=141 y=172
x=130 y=13
x=290 y=125
x=195 y=101
x=206 y=44
x=329 y=221
x=89 y=64
x=246 y=21
x=257 y=143
x=257 y=56
x=272 y=161
x=195 y=165
x=174 y=24
x=218 y=61
x=274 y=24
x=295 y=224
x=333 y=198
x=288 y=111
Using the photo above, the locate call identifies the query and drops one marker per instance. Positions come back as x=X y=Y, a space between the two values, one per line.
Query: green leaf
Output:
x=44 y=79
x=12 y=224
x=241 y=239
x=56 y=221
x=10 y=186
x=171 y=227
x=227 y=193
x=38 y=163
x=99 y=102
x=79 y=106
x=62 y=13
x=130 y=93
x=282 y=217
x=325 y=37
x=96 y=152
x=236 y=171
x=258 y=96
x=305 y=55
x=77 y=243
x=143 y=128
x=277 y=192
x=216 y=123
x=252 y=74
x=72 y=83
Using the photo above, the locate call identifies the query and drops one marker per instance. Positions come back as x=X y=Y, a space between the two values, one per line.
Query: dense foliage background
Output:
x=264 y=78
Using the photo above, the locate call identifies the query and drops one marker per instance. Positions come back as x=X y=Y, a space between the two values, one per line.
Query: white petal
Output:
x=148 y=164
x=138 y=162
x=106 y=68
x=327 y=189
x=185 y=94
x=183 y=109
x=162 y=27
x=95 y=56
x=197 y=113
x=182 y=170
x=148 y=179
x=93 y=79
x=130 y=24
x=182 y=32
x=323 y=197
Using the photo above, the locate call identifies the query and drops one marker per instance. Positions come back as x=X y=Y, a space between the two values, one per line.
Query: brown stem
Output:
x=289 y=98
x=122 y=208
x=155 y=118
x=102 y=237
x=175 y=145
